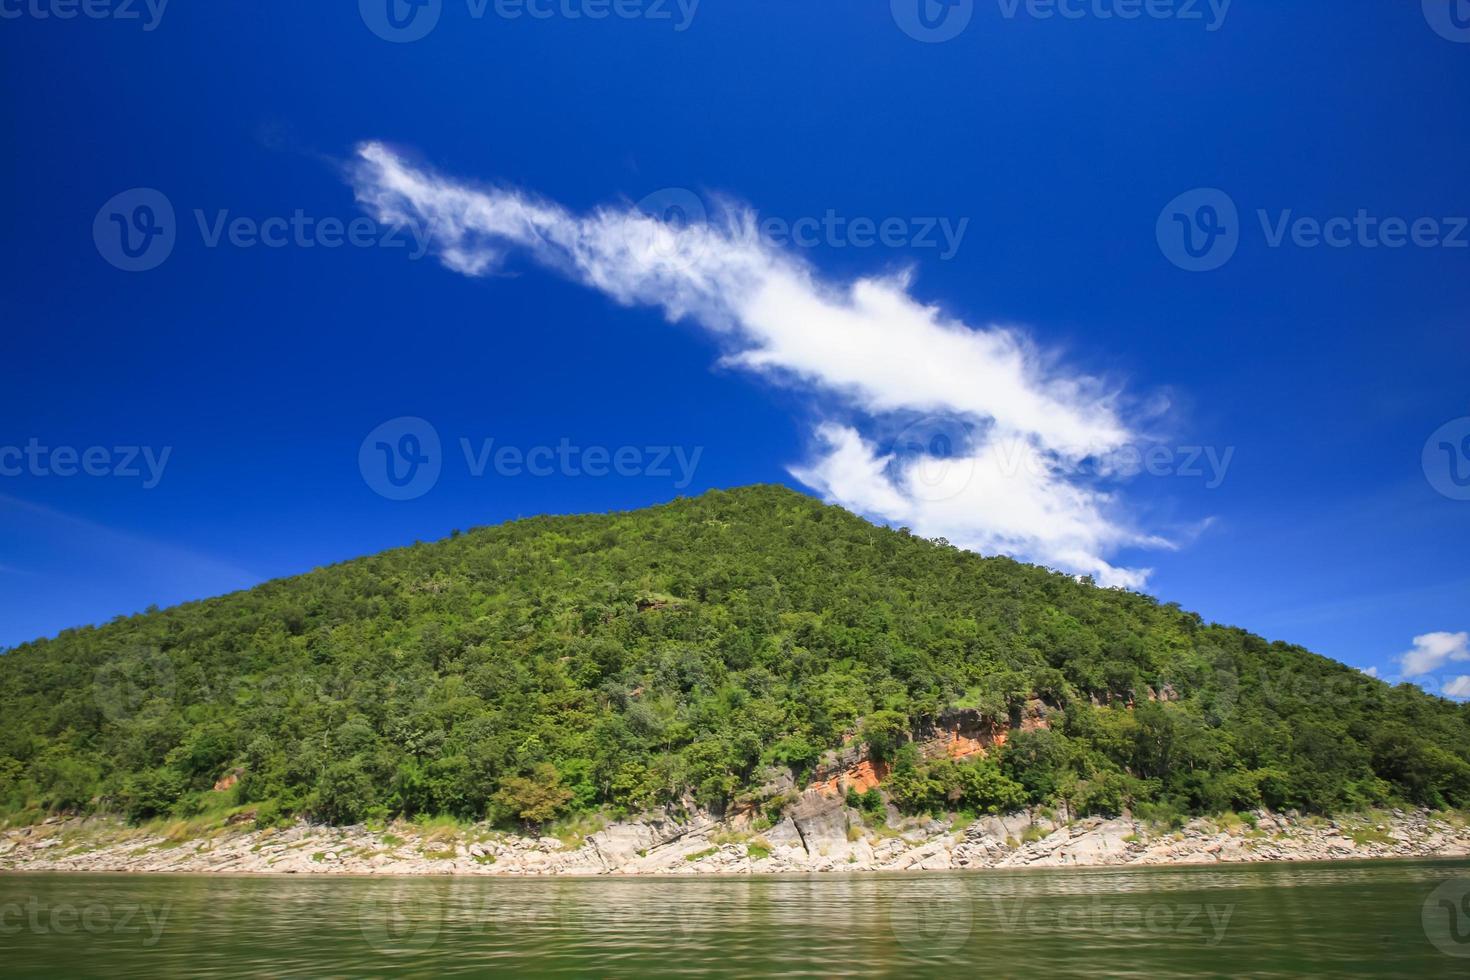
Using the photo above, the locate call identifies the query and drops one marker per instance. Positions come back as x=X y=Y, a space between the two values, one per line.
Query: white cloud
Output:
x=978 y=499
x=1459 y=687
x=880 y=360
x=1370 y=671
x=1433 y=650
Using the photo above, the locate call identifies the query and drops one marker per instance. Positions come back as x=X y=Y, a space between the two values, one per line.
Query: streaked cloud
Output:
x=905 y=391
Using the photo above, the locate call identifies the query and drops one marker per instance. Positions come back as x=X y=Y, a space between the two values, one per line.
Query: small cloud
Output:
x=1459 y=687
x=1433 y=650
x=1370 y=671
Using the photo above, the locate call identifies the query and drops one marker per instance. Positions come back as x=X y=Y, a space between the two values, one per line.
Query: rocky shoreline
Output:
x=819 y=835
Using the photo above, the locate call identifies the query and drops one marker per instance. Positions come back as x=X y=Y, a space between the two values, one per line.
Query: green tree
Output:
x=884 y=731
x=536 y=798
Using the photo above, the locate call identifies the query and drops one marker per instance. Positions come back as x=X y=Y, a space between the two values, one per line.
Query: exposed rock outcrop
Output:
x=958 y=733
x=818 y=834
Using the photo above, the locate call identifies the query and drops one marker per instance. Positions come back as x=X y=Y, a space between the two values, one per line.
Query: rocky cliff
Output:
x=819 y=835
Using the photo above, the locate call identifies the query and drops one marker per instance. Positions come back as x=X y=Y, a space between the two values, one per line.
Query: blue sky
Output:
x=965 y=251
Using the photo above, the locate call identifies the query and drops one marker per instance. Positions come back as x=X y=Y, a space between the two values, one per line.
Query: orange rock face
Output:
x=965 y=738
x=968 y=738
x=863 y=776
x=963 y=741
x=959 y=745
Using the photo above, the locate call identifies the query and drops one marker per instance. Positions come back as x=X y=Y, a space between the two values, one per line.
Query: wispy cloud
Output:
x=1459 y=687
x=1432 y=651
x=100 y=537
x=106 y=571
x=926 y=416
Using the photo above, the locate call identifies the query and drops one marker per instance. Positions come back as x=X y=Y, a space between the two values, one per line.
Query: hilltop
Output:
x=721 y=654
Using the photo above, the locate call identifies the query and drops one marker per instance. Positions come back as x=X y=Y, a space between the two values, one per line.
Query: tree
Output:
x=152 y=794
x=983 y=787
x=884 y=731
x=345 y=792
x=1037 y=760
x=536 y=798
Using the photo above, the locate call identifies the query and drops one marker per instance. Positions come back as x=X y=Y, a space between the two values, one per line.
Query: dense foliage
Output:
x=568 y=664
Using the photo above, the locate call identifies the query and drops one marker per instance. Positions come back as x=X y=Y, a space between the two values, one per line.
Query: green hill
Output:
x=569 y=664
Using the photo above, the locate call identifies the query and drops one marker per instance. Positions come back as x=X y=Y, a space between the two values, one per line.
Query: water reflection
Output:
x=1262 y=920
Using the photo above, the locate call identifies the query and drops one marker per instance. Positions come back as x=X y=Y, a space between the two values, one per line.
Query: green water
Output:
x=1383 y=919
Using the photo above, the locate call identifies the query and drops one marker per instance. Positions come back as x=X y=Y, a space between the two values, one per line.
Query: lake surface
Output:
x=1378 y=919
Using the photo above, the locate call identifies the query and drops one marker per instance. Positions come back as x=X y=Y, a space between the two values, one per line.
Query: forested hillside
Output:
x=570 y=664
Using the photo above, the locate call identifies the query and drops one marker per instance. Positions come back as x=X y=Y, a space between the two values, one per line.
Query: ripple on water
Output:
x=1265 y=920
